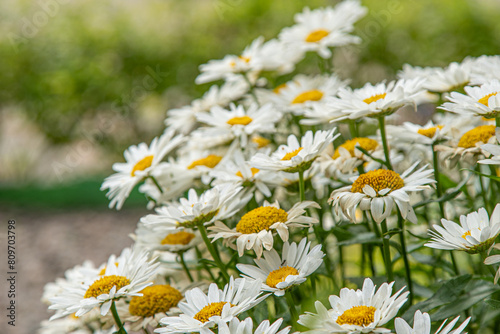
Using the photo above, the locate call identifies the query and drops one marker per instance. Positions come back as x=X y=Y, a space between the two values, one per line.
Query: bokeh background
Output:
x=80 y=81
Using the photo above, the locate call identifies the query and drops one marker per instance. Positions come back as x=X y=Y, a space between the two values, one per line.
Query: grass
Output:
x=82 y=194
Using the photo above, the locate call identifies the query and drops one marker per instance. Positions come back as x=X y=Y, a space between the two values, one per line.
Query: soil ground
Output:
x=47 y=244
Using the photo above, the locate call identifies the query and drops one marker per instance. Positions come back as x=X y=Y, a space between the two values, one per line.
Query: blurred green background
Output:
x=82 y=80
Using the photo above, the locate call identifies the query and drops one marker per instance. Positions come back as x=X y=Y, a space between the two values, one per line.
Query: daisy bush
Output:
x=284 y=201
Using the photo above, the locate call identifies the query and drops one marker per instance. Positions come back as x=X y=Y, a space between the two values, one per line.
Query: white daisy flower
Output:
x=238 y=171
x=427 y=134
x=256 y=228
x=141 y=161
x=493 y=149
x=295 y=156
x=85 y=272
x=485 y=69
x=478 y=101
x=184 y=120
x=281 y=273
x=175 y=241
x=468 y=144
x=240 y=123
x=75 y=325
x=319 y=113
x=320 y=29
x=356 y=311
x=347 y=157
x=476 y=232
x=195 y=161
x=201 y=311
x=218 y=202
x=440 y=80
x=422 y=325
x=493 y=259
x=375 y=101
x=291 y=181
x=379 y=189
x=125 y=279
x=258 y=56
x=246 y=327
x=174 y=180
x=157 y=301
x=306 y=91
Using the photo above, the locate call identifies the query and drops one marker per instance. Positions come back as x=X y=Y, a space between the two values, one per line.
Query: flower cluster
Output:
x=269 y=194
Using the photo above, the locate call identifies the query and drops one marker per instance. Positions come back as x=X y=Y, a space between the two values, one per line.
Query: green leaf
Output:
x=362 y=238
x=477 y=291
x=493 y=303
x=380 y=161
x=449 y=291
x=450 y=194
x=496 y=178
x=208 y=262
x=391 y=232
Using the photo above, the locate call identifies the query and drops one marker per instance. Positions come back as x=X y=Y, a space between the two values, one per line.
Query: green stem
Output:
x=401 y=226
x=341 y=265
x=381 y=123
x=302 y=186
x=118 y=321
x=387 y=252
x=200 y=256
x=291 y=306
x=353 y=129
x=483 y=190
x=186 y=269
x=313 y=286
x=497 y=121
x=363 y=260
x=484 y=255
x=319 y=232
x=439 y=189
x=156 y=183
x=454 y=263
x=214 y=254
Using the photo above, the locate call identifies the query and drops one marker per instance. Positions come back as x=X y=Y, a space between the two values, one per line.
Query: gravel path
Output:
x=47 y=244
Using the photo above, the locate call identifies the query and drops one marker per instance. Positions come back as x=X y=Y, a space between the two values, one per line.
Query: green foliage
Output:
x=91 y=58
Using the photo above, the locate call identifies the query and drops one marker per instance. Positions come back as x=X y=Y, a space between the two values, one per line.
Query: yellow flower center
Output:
x=260 y=219
x=142 y=164
x=104 y=284
x=317 y=35
x=240 y=120
x=277 y=89
x=365 y=143
x=378 y=179
x=254 y=171
x=261 y=141
x=245 y=59
x=209 y=161
x=466 y=234
x=374 y=98
x=484 y=99
x=430 y=132
x=209 y=311
x=310 y=95
x=290 y=155
x=178 y=238
x=357 y=315
x=279 y=275
x=155 y=299
x=480 y=134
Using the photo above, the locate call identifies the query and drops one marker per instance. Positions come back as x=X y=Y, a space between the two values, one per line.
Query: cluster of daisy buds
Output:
x=272 y=197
